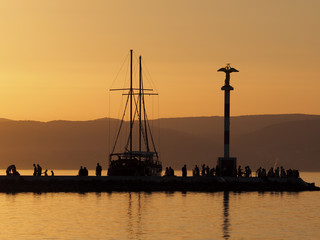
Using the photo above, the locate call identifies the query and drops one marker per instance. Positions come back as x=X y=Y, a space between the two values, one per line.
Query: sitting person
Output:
x=12 y=171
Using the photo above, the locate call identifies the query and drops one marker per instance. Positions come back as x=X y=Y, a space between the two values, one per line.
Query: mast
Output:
x=140 y=110
x=140 y=102
x=131 y=93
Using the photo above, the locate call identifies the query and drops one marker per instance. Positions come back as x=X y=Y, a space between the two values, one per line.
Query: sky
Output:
x=58 y=59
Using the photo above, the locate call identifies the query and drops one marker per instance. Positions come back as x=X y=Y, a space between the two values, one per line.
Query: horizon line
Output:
x=203 y=116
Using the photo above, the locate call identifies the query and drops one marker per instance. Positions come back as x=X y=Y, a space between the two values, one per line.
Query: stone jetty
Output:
x=15 y=184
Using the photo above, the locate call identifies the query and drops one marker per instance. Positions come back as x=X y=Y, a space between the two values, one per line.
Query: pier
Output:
x=16 y=184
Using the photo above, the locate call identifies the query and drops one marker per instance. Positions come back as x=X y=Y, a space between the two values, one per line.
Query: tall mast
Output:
x=131 y=93
x=140 y=102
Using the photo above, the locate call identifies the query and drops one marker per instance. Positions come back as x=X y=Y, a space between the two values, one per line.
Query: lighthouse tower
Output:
x=227 y=165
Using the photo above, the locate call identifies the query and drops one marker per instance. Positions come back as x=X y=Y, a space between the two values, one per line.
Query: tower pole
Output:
x=131 y=93
x=227 y=165
x=140 y=102
x=226 y=124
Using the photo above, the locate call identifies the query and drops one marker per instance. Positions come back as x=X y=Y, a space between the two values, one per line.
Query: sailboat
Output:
x=143 y=161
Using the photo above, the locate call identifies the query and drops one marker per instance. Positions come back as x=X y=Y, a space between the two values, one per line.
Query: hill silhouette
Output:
x=263 y=140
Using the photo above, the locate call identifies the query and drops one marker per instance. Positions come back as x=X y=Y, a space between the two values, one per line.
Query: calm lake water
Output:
x=162 y=215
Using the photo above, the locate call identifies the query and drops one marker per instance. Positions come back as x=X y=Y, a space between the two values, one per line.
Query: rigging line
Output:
x=152 y=112
x=143 y=128
x=126 y=78
x=144 y=136
x=119 y=109
x=124 y=113
x=121 y=101
x=151 y=136
x=149 y=79
x=109 y=125
x=159 y=144
x=136 y=56
x=145 y=124
x=145 y=69
x=134 y=67
x=135 y=73
x=136 y=112
x=125 y=59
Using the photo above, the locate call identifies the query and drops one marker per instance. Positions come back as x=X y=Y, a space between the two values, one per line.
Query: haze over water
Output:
x=162 y=215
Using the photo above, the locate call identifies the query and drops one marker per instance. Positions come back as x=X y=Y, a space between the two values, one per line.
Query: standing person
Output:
x=184 y=171
x=39 y=170
x=203 y=171
x=80 y=173
x=35 y=170
x=85 y=171
x=167 y=172
x=207 y=172
x=239 y=171
x=171 y=171
x=52 y=173
x=98 y=170
x=196 y=171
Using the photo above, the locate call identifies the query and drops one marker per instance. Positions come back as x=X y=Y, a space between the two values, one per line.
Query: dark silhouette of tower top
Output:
x=227 y=69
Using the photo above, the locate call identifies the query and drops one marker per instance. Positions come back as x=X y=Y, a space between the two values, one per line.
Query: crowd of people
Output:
x=278 y=172
x=169 y=171
x=37 y=171
x=83 y=171
x=246 y=173
x=205 y=171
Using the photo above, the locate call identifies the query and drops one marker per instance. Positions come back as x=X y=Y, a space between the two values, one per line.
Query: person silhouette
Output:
x=35 y=170
x=98 y=170
x=80 y=173
x=9 y=170
x=39 y=170
x=184 y=171
x=85 y=171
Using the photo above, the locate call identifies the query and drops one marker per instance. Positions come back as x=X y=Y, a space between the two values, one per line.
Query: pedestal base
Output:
x=227 y=166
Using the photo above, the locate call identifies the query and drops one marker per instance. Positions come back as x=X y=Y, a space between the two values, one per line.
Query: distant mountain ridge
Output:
x=291 y=140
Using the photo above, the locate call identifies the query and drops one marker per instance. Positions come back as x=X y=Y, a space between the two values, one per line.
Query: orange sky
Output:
x=59 y=58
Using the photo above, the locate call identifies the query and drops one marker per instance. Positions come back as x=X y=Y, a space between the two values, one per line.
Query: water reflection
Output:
x=191 y=215
x=226 y=223
x=134 y=217
x=130 y=221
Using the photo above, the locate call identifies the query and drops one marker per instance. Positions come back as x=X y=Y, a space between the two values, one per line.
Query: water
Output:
x=162 y=215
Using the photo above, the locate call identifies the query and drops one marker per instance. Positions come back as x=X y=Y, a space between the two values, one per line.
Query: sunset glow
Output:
x=59 y=58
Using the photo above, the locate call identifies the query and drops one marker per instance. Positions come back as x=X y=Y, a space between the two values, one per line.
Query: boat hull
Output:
x=134 y=167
